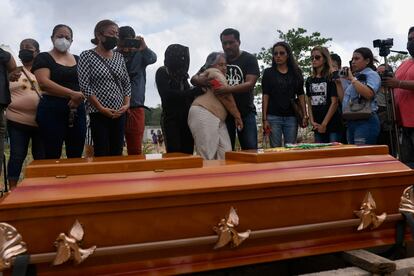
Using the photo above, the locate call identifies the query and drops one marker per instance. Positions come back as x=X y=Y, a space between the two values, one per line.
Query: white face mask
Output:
x=62 y=44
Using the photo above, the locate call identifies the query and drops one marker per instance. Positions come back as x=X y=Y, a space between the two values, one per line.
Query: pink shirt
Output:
x=404 y=99
x=24 y=101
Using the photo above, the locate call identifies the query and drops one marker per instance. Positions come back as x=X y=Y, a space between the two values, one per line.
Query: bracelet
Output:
x=399 y=84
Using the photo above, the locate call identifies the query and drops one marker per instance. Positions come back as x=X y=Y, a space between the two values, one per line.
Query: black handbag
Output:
x=357 y=109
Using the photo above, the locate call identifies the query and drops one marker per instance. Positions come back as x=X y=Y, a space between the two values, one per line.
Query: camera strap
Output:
x=111 y=71
x=32 y=84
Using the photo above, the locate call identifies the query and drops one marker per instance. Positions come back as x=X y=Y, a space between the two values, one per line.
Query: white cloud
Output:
x=197 y=24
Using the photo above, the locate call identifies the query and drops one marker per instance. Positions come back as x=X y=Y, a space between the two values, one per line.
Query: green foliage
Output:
x=153 y=117
x=395 y=60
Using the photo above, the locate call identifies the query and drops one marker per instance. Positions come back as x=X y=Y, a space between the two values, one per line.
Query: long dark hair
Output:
x=366 y=53
x=293 y=66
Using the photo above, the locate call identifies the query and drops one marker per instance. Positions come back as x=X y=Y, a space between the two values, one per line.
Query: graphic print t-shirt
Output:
x=320 y=91
x=237 y=70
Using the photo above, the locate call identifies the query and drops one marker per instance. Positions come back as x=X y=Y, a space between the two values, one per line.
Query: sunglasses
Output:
x=279 y=53
x=316 y=57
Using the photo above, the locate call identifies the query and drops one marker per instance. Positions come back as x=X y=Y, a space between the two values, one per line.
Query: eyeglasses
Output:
x=316 y=57
x=279 y=53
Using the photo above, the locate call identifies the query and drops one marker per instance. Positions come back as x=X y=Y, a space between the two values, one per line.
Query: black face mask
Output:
x=410 y=47
x=110 y=42
x=26 y=55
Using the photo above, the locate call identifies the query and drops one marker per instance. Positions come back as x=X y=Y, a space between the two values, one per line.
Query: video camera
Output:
x=384 y=46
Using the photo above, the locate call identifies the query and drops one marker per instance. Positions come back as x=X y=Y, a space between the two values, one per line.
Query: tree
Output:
x=395 y=60
x=301 y=44
x=153 y=116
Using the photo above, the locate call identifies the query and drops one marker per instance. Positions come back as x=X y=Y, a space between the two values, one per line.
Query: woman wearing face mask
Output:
x=366 y=83
x=322 y=98
x=105 y=82
x=61 y=111
x=21 y=113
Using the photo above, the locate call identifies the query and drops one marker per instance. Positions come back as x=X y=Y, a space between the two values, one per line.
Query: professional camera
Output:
x=343 y=73
x=388 y=43
x=384 y=46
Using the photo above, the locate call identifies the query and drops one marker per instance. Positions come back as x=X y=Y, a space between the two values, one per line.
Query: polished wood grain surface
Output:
x=149 y=206
x=113 y=164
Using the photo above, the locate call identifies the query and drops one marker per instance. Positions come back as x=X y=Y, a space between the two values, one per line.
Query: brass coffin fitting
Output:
x=226 y=232
x=68 y=246
x=366 y=214
x=11 y=245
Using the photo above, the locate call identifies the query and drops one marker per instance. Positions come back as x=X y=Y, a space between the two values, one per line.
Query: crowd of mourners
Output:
x=57 y=98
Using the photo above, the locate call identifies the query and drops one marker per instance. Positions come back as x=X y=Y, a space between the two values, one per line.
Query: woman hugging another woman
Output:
x=208 y=112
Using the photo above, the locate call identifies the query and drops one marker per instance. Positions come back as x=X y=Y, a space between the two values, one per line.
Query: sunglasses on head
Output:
x=316 y=57
x=279 y=53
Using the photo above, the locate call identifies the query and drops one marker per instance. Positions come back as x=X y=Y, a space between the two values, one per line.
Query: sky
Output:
x=198 y=23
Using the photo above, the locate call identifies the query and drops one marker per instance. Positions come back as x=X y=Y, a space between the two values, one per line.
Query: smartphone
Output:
x=132 y=43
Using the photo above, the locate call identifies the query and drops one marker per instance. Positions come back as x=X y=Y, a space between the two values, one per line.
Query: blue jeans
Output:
x=286 y=126
x=107 y=134
x=327 y=137
x=248 y=135
x=364 y=132
x=20 y=135
x=52 y=118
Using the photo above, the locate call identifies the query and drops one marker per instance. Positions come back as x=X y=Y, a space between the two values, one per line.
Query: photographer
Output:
x=403 y=84
x=137 y=57
x=365 y=84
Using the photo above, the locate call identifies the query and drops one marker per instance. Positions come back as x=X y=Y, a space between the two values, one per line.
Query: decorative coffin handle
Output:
x=226 y=232
x=11 y=245
x=407 y=201
x=367 y=214
x=69 y=246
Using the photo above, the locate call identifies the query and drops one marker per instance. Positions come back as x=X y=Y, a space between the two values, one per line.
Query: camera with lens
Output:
x=384 y=46
x=343 y=73
x=132 y=43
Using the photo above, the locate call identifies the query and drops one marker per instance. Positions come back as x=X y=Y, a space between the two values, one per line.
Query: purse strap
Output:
x=32 y=84
x=111 y=71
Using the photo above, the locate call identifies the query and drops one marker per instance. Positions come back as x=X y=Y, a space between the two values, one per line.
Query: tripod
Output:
x=392 y=129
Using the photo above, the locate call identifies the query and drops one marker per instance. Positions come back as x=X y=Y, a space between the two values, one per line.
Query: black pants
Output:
x=177 y=134
x=53 y=120
x=107 y=134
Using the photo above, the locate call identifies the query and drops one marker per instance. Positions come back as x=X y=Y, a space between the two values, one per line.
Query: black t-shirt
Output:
x=245 y=64
x=320 y=91
x=281 y=89
x=66 y=76
x=4 y=80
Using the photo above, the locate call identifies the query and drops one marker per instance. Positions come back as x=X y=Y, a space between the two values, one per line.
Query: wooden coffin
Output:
x=296 y=203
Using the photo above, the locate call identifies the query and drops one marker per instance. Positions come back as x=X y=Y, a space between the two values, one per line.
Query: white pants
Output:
x=210 y=134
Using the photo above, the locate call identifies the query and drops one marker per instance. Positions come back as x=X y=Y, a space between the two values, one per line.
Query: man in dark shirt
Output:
x=137 y=57
x=242 y=73
x=7 y=65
